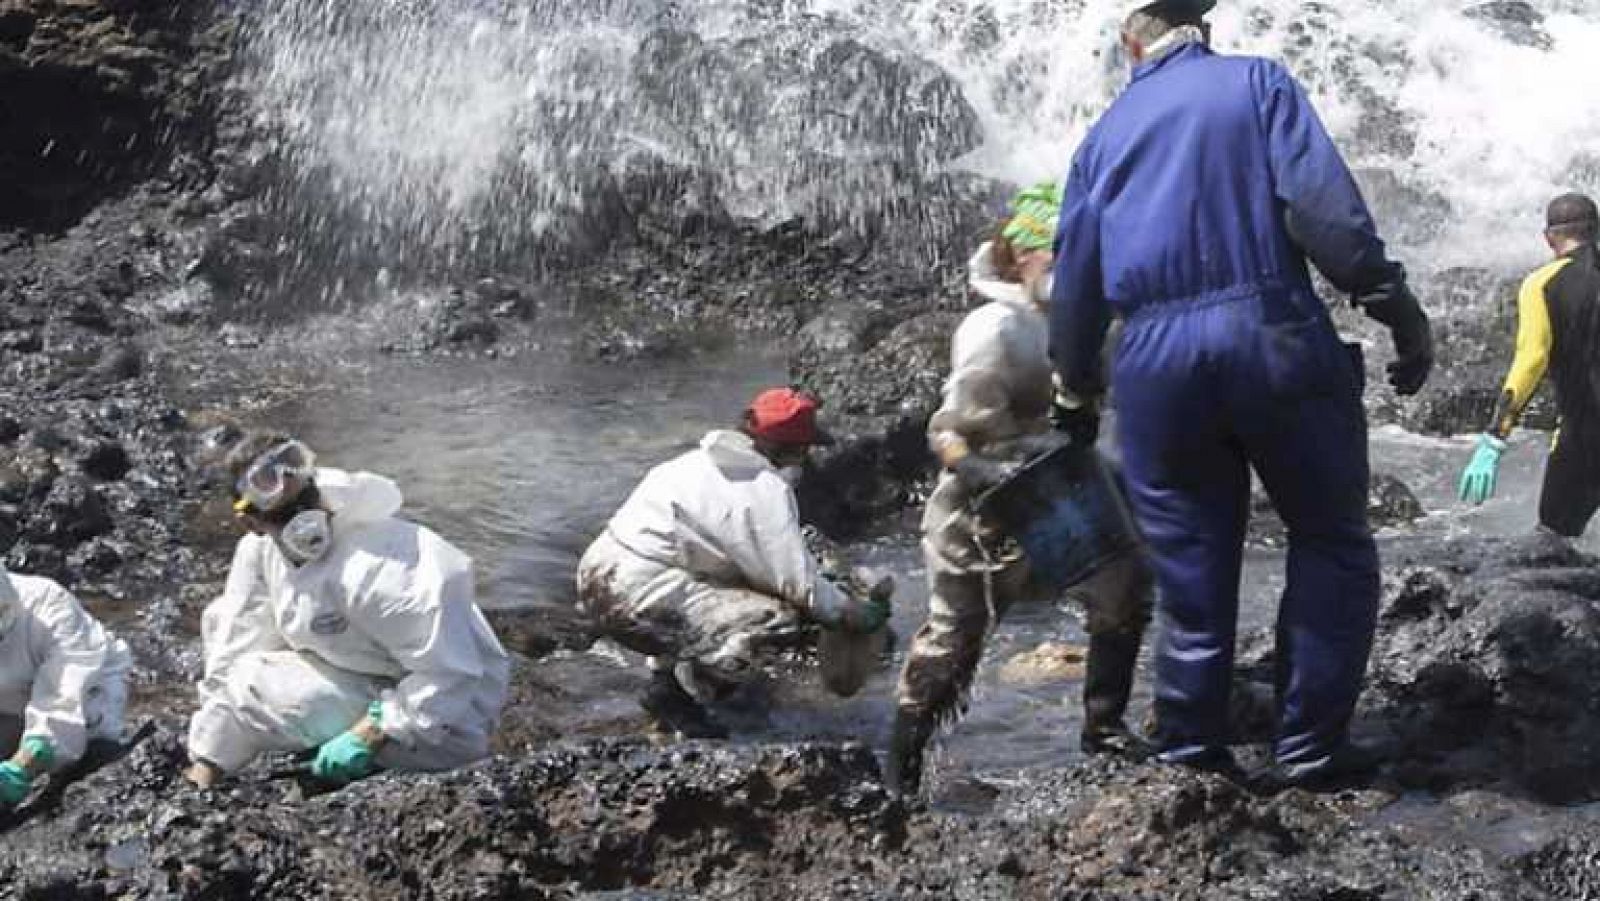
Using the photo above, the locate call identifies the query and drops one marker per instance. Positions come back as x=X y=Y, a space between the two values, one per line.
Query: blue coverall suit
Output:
x=1190 y=211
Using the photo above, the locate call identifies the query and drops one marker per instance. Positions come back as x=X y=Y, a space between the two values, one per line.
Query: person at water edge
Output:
x=63 y=682
x=1558 y=333
x=342 y=628
x=704 y=568
x=1190 y=212
x=996 y=415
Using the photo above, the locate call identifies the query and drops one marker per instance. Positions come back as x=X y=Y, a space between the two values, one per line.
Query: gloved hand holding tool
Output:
x=1078 y=417
x=1478 y=481
x=851 y=648
x=857 y=612
x=873 y=613
x=352 y=754
x=17 y=774
x=975 y=472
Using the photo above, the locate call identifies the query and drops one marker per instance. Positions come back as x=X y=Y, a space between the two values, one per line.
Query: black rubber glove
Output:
x=978 y=474
x=1396 y=307
x=1081 y=423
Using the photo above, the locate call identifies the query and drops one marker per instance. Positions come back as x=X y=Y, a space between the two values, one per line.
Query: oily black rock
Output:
x=625 y=819
x=1479 y=668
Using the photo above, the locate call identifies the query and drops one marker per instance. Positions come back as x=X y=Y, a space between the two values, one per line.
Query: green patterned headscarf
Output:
x=1034 y=212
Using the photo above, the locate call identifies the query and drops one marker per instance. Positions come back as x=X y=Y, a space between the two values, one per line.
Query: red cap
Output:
x=786 y=416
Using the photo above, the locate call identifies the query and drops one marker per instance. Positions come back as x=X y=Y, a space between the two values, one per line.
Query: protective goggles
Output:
x=275 y=477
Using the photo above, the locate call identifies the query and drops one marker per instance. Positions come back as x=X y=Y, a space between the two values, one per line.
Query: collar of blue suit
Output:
x=1187 y=46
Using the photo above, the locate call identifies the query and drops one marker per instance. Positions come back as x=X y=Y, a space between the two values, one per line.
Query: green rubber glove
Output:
x=1478 y=481
x=14 y=784
x=871 y=615
x=864 y=616
x=879 y=606
x=36 y=755
x=347 y=757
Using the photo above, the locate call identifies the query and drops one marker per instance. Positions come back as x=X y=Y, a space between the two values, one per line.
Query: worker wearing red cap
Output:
x=705 y=567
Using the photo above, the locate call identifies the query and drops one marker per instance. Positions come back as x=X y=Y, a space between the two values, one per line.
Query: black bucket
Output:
x=1067 y=511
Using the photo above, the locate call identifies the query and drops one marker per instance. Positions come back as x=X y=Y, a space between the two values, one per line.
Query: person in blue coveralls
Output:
x=1191 y=211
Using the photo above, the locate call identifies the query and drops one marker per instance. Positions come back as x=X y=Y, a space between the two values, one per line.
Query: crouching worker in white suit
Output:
x=342 y=628
x=705 y=570
x=63 y=682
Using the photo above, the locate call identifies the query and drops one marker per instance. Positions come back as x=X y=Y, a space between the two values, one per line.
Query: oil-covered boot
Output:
x=1349 y=764
x=1107 y=683
x=907 y=743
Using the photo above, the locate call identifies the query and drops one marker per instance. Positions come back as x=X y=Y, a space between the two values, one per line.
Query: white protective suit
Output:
x=62 y=675
x=997 y=398
x=293 y=656
x=1001 y=377
x=705 y=562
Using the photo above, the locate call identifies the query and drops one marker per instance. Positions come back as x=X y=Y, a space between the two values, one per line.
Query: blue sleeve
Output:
x=1079 y=314
x=1323 y=209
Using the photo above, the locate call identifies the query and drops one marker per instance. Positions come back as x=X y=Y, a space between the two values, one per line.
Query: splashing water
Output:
x=471 y=128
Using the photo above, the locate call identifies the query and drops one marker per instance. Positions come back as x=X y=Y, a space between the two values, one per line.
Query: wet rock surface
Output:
x=108 y=111
x=583 y=819
x=1476 y=675
x=95 y=96
x=95 y=461
x=97 y=467
x=1480 y=668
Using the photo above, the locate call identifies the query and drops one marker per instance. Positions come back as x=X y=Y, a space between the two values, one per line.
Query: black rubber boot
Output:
x=1347 y=766
x=1107 y=683
x=674 y=710
x=907 y=743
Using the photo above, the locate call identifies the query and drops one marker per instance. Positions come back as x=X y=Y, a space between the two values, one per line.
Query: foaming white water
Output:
x=1497 y=127
x=416 y=115
x=1504 y=128
x=452 y=124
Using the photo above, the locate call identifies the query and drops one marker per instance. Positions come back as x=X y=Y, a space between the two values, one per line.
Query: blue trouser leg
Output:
x=1204 y=394
x=1189 y=486
x=1311 y=454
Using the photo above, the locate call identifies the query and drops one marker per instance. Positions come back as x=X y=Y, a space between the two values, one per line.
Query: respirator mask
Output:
x=305 y=537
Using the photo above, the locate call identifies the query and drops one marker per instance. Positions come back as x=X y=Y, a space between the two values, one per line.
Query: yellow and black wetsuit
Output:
x=1558 y=332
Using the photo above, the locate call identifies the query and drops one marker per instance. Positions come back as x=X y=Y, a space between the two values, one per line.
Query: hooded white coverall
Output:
x=705 y=565
x=294 y=655
x=62 y=675
x=997 y=398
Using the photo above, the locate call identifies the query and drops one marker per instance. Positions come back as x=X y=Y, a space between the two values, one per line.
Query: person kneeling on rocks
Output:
x=63 y=682
x=342 y=628
x=705 y=566
x=997 y=416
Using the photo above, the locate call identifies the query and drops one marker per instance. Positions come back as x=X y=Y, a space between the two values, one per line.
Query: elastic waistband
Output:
x=1218 y=297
